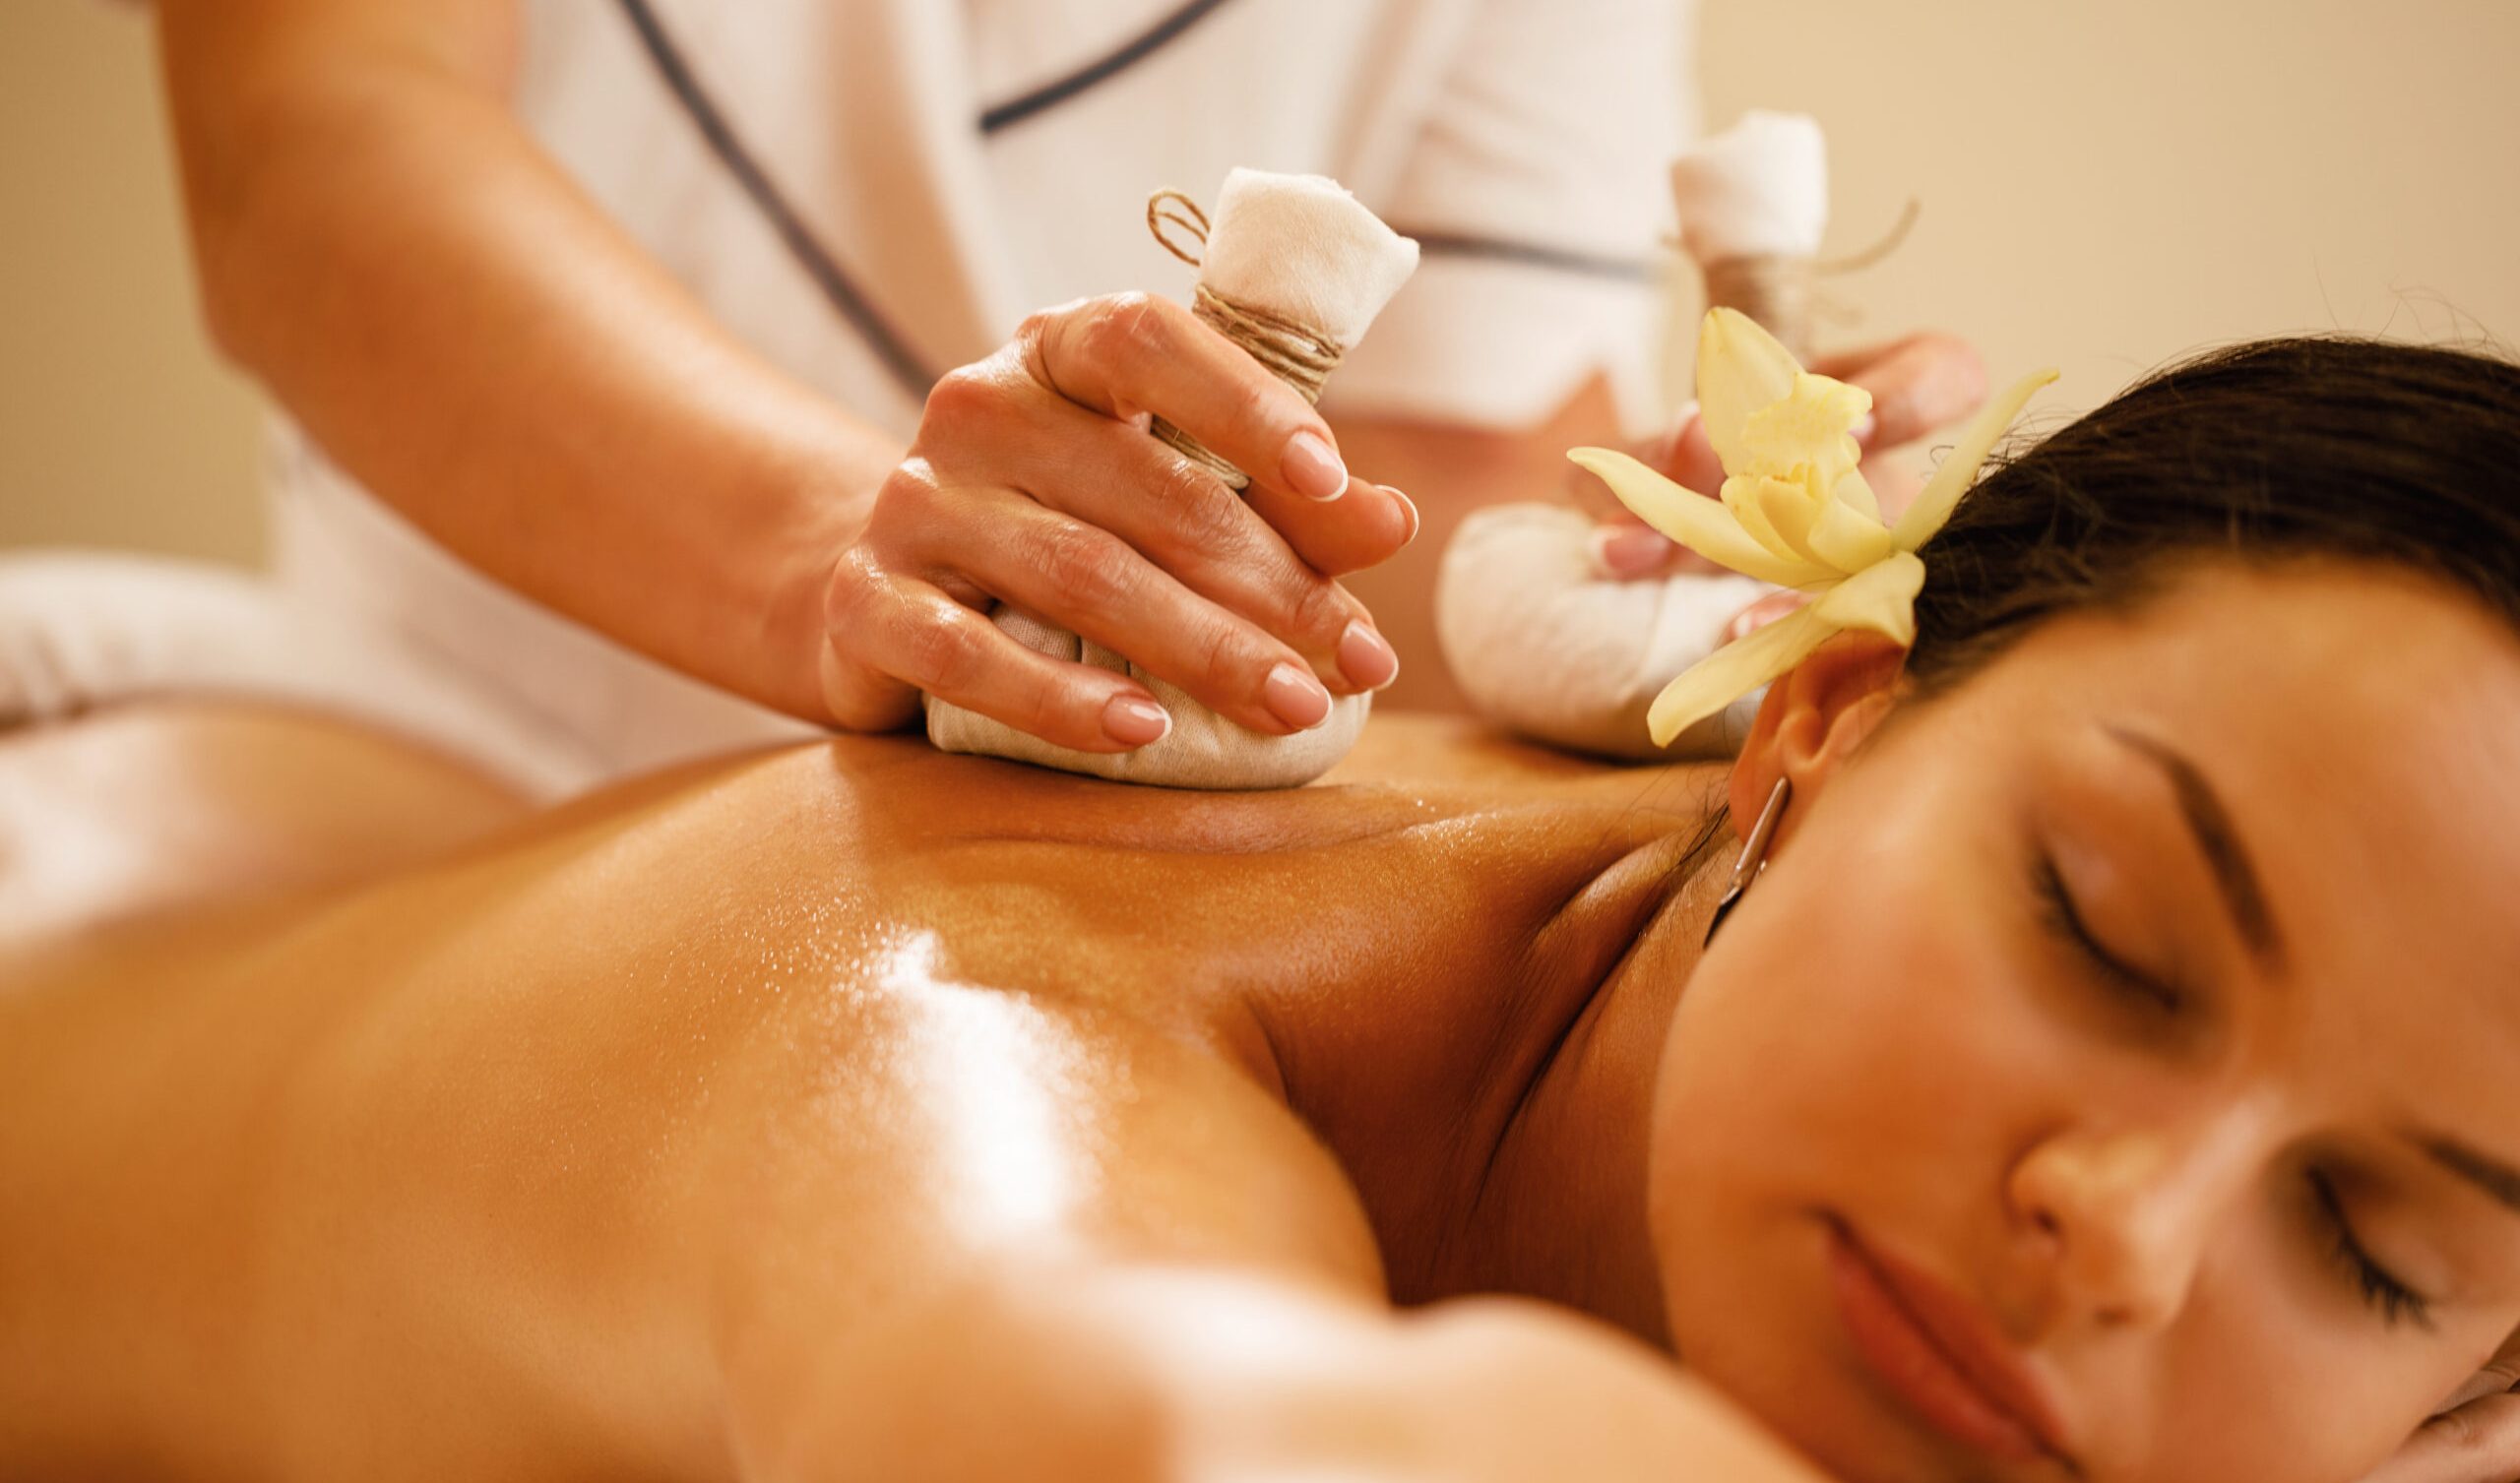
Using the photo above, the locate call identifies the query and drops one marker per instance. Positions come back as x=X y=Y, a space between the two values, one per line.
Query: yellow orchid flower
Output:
x=1794 y=509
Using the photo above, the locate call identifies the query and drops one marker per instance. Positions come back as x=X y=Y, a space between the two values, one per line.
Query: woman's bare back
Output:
x=729 y=1059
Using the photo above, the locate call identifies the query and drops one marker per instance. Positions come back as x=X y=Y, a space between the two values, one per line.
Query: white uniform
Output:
x=871 y=192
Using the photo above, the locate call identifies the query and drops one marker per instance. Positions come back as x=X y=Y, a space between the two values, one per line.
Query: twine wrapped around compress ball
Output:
x=1291 y=270
x=1297 y=353
x=1754 y=202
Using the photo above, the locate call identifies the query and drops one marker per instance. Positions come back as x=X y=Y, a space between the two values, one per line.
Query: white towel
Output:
x=78 y=630
x=1294 y=245
x=1760 y=188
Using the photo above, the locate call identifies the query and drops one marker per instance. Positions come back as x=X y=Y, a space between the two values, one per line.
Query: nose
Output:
x=2123 y=1216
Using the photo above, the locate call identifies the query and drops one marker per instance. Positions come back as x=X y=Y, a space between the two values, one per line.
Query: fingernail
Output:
x=1135 y=722
x=1760 y=614
x=1366 y=659
x=1627 y=552
x=1312 y=470
x=1294 y=697
x=1865 y=427
x=1410 y=505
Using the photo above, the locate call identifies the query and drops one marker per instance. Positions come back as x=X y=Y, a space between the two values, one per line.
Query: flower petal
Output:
x=1740 y=369
x=1854 y=491
x=1847 y=540
x=1959 y=470
x=1731 y=672
x=1881 y=598
x=1702 y=524
x=1790 y=511
x=1813 y=425
x=1741 y=497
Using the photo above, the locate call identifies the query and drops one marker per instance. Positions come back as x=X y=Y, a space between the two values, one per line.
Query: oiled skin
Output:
x=656 y=1136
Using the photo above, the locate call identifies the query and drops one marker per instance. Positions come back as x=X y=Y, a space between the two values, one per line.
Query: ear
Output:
x=1813 y=719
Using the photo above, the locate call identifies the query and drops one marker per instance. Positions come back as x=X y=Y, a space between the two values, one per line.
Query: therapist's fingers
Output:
x=1175 y=515
x=1194 y=525
x=1364 y=529
x=891 y=637
x=1686 y=455
x=1625 y=548
x=1760 y=613
x=1129 y=353
x=1089 y=582
x=1919 y=383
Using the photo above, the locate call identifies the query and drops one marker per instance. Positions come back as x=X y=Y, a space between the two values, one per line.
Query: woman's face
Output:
x=2155 y=996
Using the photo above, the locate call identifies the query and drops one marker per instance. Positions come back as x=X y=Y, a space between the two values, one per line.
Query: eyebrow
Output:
x=2487 y=1172
x=2220 y=844
x=2209 y=823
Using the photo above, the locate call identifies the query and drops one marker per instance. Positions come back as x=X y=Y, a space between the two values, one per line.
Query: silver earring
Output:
x=1754 y=855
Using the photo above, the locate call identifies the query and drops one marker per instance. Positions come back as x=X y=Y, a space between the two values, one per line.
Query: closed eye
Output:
x=2061 y=916
x=2391 y=1299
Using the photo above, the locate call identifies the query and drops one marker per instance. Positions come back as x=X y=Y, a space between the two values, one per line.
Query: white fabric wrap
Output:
x=80 y=630
x=1758 y=188
x=1294 y=245
x=1540 y=642
x=1543 y=644
x=1301 y=246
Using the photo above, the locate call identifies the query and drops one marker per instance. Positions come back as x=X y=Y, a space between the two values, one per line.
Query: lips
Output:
x=1939 y=1354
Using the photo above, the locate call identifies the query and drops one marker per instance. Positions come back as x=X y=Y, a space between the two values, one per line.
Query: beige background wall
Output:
x=117 y=424
x=2104 y=185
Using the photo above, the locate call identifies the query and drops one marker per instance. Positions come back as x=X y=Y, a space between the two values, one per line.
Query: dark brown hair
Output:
x=2267 y=452
x=2274 y=450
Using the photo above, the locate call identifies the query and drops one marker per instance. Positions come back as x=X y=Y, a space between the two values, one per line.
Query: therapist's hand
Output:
x=1033 y=482
x=1924 y=382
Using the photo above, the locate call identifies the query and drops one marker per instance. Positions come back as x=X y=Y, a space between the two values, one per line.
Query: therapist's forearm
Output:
x=385 y=247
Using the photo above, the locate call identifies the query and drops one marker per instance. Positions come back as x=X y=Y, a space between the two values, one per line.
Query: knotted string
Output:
x=1778 y=293
x=1295 y=352
x=1773 y=288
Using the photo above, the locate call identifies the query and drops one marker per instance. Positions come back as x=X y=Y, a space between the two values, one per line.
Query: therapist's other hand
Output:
x=1033 y=482
x=1918 y=384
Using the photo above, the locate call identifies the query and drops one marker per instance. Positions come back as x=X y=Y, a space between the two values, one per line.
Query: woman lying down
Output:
x=2108 y=1076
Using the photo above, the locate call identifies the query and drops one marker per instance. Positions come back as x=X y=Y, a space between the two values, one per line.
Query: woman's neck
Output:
x=1562 y=1214
x=1487 y=1087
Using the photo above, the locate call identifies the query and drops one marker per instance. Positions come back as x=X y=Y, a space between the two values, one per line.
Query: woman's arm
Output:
x=380 y=241
x=1142 y=1374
